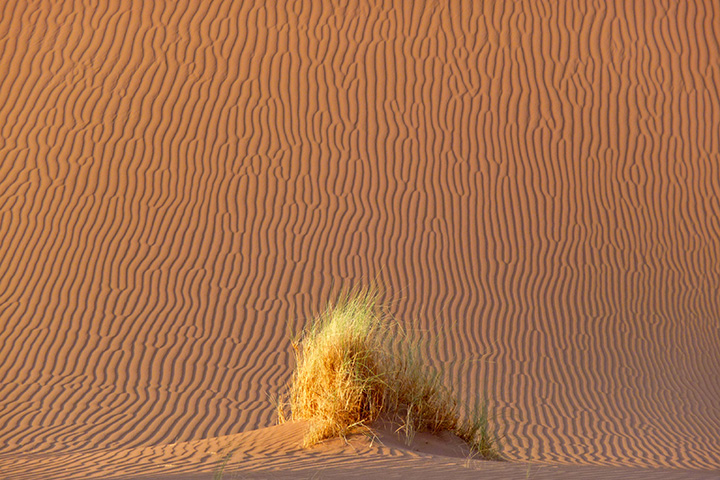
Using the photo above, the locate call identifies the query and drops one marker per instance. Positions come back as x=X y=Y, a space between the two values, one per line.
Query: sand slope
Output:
x=535 y=184
x=275 y=452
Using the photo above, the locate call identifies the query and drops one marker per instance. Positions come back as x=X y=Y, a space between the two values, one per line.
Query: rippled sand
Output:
x=536 y=186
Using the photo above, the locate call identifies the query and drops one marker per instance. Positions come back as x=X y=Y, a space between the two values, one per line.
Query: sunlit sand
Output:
x=185 y=185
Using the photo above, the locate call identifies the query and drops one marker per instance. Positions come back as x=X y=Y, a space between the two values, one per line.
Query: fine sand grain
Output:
x=535 y=185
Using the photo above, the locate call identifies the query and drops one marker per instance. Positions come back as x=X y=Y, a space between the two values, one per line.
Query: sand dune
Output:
x=535 y=184
x=275 y=452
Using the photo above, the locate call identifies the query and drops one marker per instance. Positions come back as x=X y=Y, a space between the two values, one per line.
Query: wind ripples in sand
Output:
x=535 y=184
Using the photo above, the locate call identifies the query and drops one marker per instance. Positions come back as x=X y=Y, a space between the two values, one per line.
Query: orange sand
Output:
x=535 y=184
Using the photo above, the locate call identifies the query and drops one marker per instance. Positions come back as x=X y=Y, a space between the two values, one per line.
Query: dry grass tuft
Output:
x=347 y=377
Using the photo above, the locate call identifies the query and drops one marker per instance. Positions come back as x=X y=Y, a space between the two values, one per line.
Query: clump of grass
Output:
x=476 y=432
x=348 y=376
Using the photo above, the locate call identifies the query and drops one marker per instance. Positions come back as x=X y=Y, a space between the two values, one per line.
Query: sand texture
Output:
x=534 y=184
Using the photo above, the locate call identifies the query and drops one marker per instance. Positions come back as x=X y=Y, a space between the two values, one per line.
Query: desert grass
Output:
x=353 y=369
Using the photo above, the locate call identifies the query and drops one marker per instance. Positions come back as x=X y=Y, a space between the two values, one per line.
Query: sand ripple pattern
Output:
x=536 y=184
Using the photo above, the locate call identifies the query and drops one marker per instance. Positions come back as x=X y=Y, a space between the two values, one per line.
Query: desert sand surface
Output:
x=275 y=452
x=534 y=184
